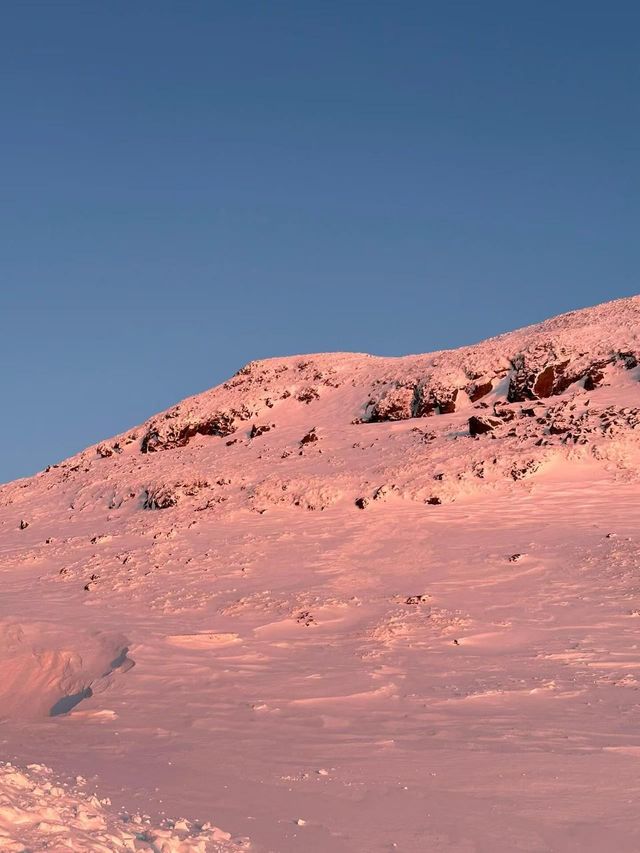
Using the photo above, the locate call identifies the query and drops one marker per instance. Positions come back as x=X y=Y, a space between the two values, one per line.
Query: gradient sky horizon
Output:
x=189 y=186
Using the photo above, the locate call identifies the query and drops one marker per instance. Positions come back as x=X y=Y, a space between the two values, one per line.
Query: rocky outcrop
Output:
x=479 y=425
x=593 y=379
x=259 y=430
x=309 y=438
x=540 y=373
x=479 y=390
x=397 y=404
x=434 y=400
x=163 y=495
x=159 y=436
x=415 y=400
x=159 y=497
x=308 y=395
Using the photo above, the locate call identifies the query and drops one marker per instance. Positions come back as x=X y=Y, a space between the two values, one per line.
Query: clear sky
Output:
x=190 y=185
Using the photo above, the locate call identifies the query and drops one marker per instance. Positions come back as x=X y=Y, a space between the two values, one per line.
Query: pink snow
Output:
x=318 y=613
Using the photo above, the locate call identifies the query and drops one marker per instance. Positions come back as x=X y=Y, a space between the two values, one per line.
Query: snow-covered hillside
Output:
x=344 y=602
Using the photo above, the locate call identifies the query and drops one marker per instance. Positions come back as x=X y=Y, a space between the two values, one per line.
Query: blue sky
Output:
x=188 y=186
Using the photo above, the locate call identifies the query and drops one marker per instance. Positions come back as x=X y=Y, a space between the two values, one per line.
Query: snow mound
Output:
x=48 y=669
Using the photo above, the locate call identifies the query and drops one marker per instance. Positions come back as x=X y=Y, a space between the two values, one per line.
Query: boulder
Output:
x=259 y=430
x=479 y=390
x=479 y=425
x=309 y=438
x=434 y=400
x=533 y=381
x=397 y=404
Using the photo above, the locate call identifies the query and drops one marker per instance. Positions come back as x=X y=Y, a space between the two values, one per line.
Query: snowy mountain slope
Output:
x=392 y=598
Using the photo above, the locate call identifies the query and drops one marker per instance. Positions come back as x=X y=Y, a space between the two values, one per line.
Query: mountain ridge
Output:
x=517 y=387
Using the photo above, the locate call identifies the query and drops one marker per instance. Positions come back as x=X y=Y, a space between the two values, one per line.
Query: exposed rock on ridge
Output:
x=499 y=389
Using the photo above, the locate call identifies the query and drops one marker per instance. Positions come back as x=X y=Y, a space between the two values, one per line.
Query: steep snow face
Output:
x=346 y=601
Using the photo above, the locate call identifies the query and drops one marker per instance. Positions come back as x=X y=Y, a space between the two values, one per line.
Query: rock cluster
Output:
x=160 y=437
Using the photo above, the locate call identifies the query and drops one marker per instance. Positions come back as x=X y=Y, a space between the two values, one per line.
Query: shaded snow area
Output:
x=339 y=603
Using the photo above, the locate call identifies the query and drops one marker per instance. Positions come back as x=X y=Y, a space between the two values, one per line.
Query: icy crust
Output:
x=40 y=812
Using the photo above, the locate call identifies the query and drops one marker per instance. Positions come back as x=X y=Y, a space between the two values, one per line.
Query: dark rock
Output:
x=434 y=401
x=433 y=501
x=361 y=503
x=479 y=425
x=159 y=498
x=534 y=379
x=309 y=438
x=476 y=392
x=221 y=424
x=629 y=359
x=307 y=395
x=382 y=491
x=522 y=471
x=23 y=524
x=150 y=441
x=543 y=385
x=397 y=404
x=532 y=382
x=258 y=430
x=505 y=415
x=558 y=429
x=593 y=379
x=405 y=401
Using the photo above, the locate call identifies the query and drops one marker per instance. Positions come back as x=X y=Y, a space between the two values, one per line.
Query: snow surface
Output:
x=39 y=812
x=309 y=606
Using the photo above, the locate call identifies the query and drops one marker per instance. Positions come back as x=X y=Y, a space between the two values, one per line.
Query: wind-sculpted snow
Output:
x=344 y=602
x=48 y=669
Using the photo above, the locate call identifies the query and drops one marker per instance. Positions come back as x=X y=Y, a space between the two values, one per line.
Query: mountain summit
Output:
x=348 y=601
